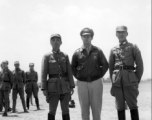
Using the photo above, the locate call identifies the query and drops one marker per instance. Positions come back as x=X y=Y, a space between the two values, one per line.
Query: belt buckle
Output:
x=121 y=67
x=60 y=75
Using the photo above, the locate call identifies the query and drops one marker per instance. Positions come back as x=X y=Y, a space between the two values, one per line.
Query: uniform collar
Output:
x=123 y=43
x=91 y=47
x=17 y=69
x=56 y=52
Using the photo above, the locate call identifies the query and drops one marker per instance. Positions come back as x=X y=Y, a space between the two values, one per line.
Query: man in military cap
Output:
x=126 y=69
x=57 y=88
x=31 y=86
x=6 y=81
x=89 y=65
x=18 y=86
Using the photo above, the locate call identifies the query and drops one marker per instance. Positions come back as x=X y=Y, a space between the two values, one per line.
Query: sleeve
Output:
x=11 y=77
x=111 y=63
x=36 y=76
x=74 y=64
x=44 y=71
x=24 y=78
x=69 y=72
x=103 y=62
x=138 y=61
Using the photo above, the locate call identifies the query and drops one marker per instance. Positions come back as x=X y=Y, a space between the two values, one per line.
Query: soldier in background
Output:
x=18 y=86
x=126 y=69
x=31 y=86
x=6 y=81
x=60 y=84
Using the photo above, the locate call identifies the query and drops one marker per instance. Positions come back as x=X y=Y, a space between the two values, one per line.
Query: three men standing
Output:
x=18 y=86
x=89 y=65
x=126 y=69
x=56 y=66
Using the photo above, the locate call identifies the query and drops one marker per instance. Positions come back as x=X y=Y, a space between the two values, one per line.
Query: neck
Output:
x=121 y=41
x=56 y=49
x=87 y=45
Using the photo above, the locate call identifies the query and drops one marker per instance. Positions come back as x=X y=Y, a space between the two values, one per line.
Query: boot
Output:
x=121 y=115
x=14 y=106
x=66 y=117
x=134 y=114
x=23 y=104
x=51 y=117
x=72 y=104
x=9 y=108
x=37 y=103
x=27 y=103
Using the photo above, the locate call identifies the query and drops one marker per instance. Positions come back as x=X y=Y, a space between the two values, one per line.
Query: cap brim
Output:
x=86 y=34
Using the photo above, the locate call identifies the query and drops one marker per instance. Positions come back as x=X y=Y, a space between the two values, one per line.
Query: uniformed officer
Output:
x=31 y=86
x=18 y=86
x=57 y=88
x=126 y=69
x=6 y=81
x=89 y=65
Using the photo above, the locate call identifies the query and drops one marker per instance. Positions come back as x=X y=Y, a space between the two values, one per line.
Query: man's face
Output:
x=17 y=65
x=86 y=39
x=31 y=67
x=4 y=65
x=121 y=35
x=56 y=42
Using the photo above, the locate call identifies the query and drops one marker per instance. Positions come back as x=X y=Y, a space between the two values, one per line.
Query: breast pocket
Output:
x=53 y=64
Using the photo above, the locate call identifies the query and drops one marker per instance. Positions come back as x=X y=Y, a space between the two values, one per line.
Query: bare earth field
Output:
x=108 y=109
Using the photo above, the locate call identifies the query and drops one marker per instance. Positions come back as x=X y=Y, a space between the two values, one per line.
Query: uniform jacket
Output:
x=6 y=79
x=19 y=78
x=89 y=67
x=31 y=79
x=55 y=63
x=127 y=54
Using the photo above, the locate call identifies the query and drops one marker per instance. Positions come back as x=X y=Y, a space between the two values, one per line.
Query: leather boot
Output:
x=134 y=114
x=27 y=103
x=37 y=103
x=121 y=115
x=51 y=117
x=24 y=106
x=66 y=117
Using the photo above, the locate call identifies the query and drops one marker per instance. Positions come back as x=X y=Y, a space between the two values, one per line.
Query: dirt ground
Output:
x=108 y=109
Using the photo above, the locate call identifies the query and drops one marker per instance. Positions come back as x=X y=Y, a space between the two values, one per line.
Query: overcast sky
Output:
x=26 y=26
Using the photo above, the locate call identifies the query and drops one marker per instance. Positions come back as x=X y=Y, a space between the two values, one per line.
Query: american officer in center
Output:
x=59 y=84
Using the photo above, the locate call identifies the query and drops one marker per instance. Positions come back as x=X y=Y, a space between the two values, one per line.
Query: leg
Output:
x=120 y=102
x=9 y=108
x=28 y=95
x=6 y=96
x=65 y=106
x=83 y=94
x=1 y=100
x=21 y=93
x=14 y=97
x=95 y=96
x=35 y=93
x=131 y=94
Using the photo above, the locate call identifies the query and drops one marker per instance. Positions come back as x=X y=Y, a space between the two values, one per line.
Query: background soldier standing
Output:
x=126 y=69
x=57 y=88
x=89 y=65
x=31 y=86
x=6 y=81
x=18 y=86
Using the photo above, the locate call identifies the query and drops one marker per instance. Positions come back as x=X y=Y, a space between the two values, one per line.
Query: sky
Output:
x=26 y=27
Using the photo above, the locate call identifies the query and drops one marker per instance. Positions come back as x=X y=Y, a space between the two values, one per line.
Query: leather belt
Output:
x=60 y=75
x=124 y=67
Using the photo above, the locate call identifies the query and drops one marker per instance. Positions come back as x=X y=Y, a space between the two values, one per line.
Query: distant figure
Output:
x=18 y=86
x=60 y=84
x=89 y=65
x=126 y=69
x=31 y=86
x=6 y=81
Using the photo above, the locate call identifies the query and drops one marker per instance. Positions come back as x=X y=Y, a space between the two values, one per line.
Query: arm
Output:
x=11 y=77
x=138 y=62
x=23 y=76
x=36 y=75
x=111 y=63
x=69 y=72
x=103 y=62
x=44 y=71
x=74 y=64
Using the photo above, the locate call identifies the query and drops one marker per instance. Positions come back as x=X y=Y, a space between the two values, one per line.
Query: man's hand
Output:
x=45 y=92
x=72 y=91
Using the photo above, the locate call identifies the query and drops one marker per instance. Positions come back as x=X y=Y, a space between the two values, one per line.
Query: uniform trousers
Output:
x=64 y=102
x=16 y=91
x=31 y=90
x=125 y=93
x=90 y=96
x=4 y=94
